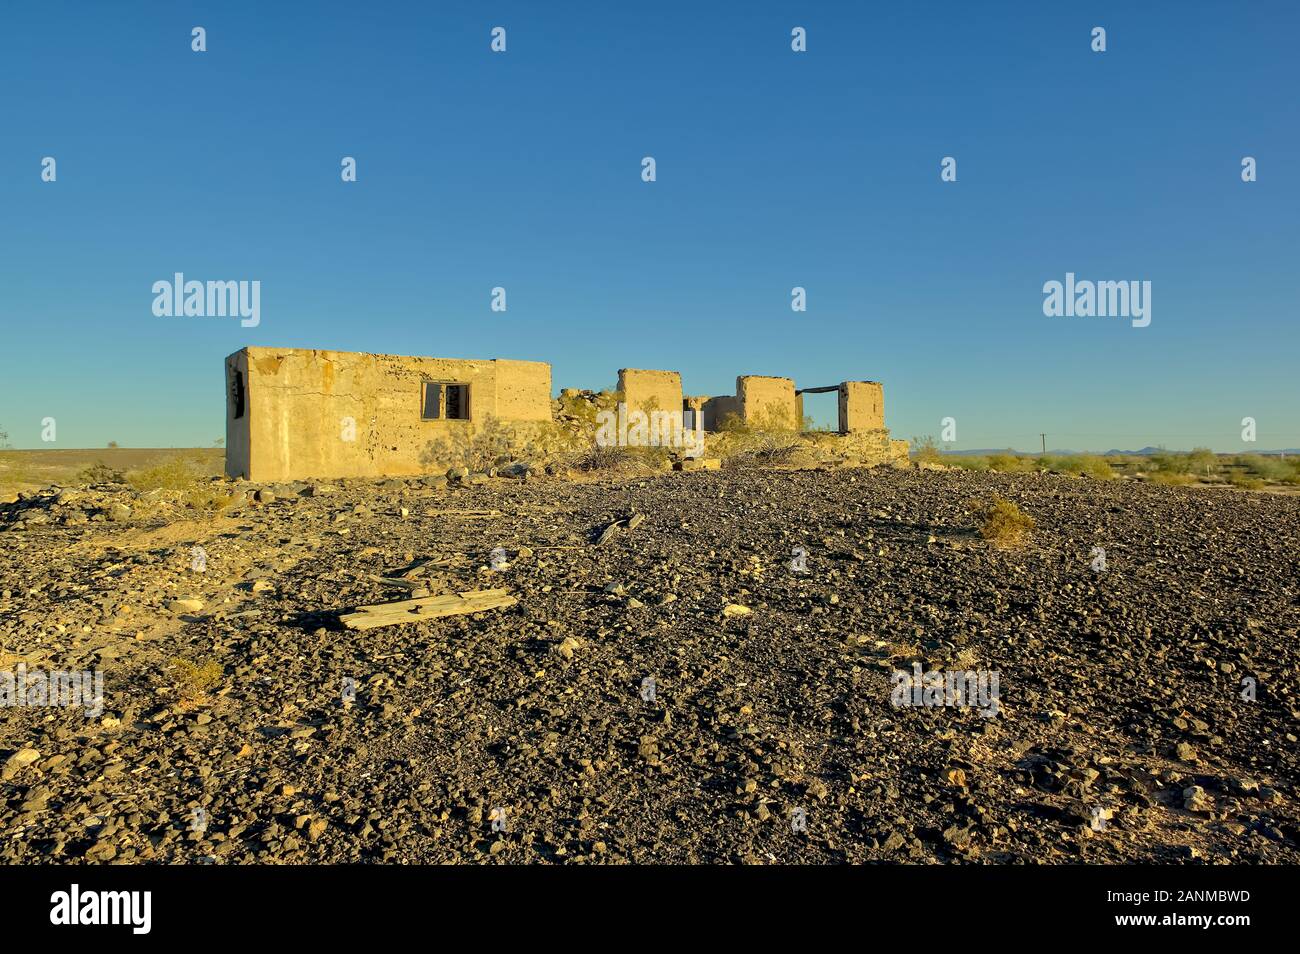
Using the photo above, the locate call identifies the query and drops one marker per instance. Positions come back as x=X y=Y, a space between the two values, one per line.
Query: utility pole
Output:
x=1044 y=437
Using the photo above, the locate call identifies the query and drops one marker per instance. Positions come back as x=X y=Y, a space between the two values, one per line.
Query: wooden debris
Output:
x=630 y=523
x=426 y=607
x=464 y=514
x=419 y=566
x=609 y=532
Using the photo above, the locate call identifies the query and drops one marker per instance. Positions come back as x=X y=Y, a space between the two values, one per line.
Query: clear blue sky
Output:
x=775 y=169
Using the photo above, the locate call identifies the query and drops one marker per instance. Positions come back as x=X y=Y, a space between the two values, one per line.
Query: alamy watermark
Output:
x=24 y=687
x=1088 y=299
x=968 y=689
x=179 y=298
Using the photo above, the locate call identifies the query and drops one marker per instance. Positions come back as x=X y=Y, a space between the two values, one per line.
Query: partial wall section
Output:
x=862 y=406
x=523 y=390
x=651 y=390
x=766 y=400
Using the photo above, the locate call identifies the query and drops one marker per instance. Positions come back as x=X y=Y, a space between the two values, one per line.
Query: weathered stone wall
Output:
x=316 y=413
x=651 y=390
x=765 y=398
x=862 y=406
x=523 y=390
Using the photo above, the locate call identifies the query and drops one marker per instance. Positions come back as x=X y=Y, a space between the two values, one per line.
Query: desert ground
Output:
x=244 y=723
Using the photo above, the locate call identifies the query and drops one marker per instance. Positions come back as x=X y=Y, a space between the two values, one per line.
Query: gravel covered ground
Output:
x=1124 y=729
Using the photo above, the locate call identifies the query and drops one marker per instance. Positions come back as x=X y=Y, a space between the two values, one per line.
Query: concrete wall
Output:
x=341 y=414
x=718 y=409
x=862 y=406
x=651 y=390
x=765 y=398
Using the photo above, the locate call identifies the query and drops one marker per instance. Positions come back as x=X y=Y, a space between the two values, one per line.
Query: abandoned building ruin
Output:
x=299 y=414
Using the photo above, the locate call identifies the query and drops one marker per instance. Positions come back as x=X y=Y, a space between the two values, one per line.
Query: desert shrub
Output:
x=1003 y=523
x=1011 y=463
x=598 y=458
x=1201 y=461
x=101 y=473
x=926 y=451
x=768 y=419
x=968 y=462
x=1172 y=478
x=1266 y=468
x=495 y=443
x=767 y=438
x=174 y=473
x=1166 y=463
x=193 y=681
x=618 y=459
x=1246 y=481
x=479 y=448
x=770 y=454
x=1090 y=464
x=183 y=478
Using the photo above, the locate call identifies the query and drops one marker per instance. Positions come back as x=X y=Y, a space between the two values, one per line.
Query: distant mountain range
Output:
x=1144 y=452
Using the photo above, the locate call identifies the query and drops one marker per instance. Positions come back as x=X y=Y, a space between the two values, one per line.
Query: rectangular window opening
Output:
x=237 y=393
x=458 y=402
x=445 y=401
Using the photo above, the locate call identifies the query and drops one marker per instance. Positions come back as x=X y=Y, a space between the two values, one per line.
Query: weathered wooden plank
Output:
x=427 y=607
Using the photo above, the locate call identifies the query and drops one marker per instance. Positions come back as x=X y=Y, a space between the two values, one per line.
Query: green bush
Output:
x=1267 y=468
x=1089 y=464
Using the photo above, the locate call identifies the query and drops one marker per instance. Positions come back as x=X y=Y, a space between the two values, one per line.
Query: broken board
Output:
x=426 y=607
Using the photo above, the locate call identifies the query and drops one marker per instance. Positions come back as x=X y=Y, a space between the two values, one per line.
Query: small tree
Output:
x=1203 y=460
x=926 y=451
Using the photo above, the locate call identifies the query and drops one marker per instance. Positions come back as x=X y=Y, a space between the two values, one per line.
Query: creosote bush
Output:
x=495 y=443
x=926 y=451
x=183 y=478
x=193 y=681
x=767 y=438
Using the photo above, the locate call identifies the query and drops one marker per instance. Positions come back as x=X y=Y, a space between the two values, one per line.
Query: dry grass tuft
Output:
x=1003 y=523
